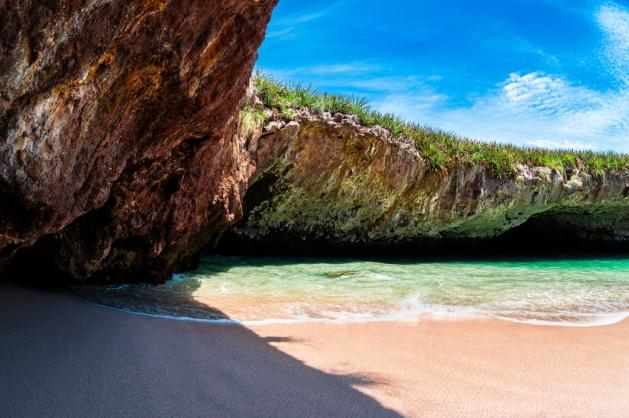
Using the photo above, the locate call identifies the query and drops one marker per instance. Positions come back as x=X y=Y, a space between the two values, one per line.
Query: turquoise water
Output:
x=566 y=292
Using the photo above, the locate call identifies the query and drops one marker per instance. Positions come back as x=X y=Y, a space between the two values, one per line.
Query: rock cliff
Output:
x=117 y=118
x=324 y=182
x=122 y=154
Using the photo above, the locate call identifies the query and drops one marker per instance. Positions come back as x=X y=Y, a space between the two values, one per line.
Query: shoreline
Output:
x=63 y=356
x=619 y=318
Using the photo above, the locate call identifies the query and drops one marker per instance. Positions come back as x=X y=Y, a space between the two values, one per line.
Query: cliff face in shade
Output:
x=117 y=118
x=327 y=183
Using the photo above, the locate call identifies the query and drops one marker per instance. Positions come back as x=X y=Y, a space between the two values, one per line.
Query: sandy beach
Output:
x=472 y=368
x=60 y=356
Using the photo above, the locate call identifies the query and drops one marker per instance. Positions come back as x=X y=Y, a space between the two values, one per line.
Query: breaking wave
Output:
x=270 y=290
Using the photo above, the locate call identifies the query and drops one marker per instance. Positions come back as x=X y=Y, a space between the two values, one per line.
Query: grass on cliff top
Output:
x=441 y=149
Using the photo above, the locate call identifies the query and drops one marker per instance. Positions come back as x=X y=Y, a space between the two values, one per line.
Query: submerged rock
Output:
x=117 y=118
x=326 y=183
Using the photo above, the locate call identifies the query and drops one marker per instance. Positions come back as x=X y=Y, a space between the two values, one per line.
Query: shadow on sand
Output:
x=62 y=357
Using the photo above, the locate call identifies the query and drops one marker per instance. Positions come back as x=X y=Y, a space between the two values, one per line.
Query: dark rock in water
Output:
x=339 y=274
x=117 y=118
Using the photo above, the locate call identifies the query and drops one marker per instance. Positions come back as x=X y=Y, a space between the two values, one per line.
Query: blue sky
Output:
x=531 y=72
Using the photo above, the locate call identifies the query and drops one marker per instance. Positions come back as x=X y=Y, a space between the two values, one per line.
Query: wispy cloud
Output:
x=329 y=71
x=288 y=27
x=615 y=23
x=530 y=109
x=498 y=37
x=553 y=97
x=371 y=80
x=536 y=108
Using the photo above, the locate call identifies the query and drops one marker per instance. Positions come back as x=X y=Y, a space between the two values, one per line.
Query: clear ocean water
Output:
x=582 y=292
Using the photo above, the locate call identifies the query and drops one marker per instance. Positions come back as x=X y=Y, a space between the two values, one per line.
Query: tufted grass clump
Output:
x=439 y=148
x=249 y=120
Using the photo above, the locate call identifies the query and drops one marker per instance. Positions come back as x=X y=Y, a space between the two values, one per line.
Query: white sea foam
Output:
x=578 y=293
x=443 y=313
x=589 y=320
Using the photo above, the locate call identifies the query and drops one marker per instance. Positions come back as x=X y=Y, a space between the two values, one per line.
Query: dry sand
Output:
x=60 y=357
x=472 y=368
x=63 y=357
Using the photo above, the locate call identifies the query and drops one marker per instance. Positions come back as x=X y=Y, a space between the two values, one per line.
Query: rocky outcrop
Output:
x=117 y=118
x=325 y=182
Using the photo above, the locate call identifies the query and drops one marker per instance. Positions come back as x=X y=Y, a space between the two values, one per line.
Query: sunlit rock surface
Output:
x=117 y=117
x=325 y=183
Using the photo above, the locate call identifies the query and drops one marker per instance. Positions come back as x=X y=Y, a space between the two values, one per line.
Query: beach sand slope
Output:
x=61 y=357
x=472 y=368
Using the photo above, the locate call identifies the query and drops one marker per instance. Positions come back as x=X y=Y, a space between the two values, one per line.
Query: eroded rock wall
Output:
x=117 y=118
x=329 y=183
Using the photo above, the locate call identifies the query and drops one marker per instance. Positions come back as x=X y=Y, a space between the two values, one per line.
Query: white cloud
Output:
x=614 y=21
x=535 y=108
x=531 y=109
x=545 y=94
x=326 y=71
x=501 y=39
x=289 y=26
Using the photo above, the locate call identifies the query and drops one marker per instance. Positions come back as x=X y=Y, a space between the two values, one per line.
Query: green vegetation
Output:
x=250 y=119
x=441 y=149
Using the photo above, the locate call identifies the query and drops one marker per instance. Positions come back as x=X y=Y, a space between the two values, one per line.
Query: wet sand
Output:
x=63 y=357
x=472 y=368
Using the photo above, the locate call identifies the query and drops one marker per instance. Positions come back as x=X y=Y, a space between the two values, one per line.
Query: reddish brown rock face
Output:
x=117 y=118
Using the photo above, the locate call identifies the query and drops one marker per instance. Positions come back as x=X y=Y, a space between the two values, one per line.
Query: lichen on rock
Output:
x=324 y=180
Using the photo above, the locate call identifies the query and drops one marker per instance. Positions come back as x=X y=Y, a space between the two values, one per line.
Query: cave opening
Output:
x=556 y=233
